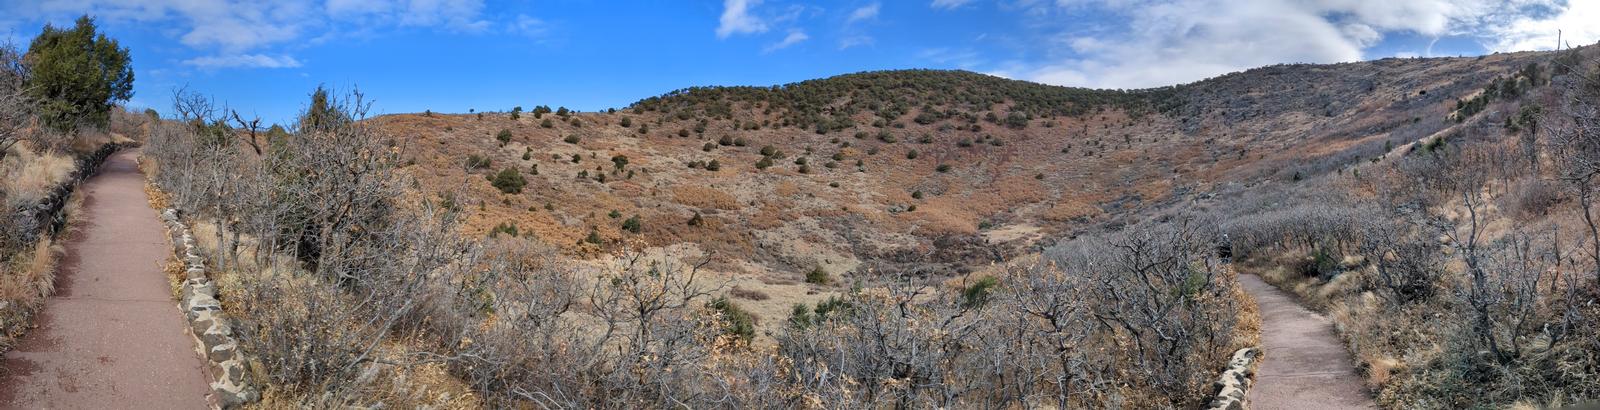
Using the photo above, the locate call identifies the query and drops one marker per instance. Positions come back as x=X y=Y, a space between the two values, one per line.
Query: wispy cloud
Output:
x=856 y=41
x=864 y=13
x=736 y=19
x=794 y=37
x=949 y=4
x=530 y=26
x=247 y=33
x=243 y=61
x=1154 y=43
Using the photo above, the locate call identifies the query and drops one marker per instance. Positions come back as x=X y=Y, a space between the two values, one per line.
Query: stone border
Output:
x=1235 y=381
x=207 y=323
x=48 y=217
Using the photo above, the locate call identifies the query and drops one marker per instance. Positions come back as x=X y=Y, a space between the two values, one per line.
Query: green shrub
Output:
x=942 y=168
x=547 y=123
x=713 y=165
x=76 y=75
x=632 y=224
x=978 y=293
x=912 y=154
x=508 y=181
x=736 y=321
x=475 y=161
x=504 y=228
x=504 y=137
x=818 y=276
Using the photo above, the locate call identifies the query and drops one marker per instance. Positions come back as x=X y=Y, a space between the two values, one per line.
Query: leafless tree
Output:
x=14 y=111
x=1573 y=125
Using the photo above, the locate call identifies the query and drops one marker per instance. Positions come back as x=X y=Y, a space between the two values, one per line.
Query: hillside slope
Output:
x=917 y=171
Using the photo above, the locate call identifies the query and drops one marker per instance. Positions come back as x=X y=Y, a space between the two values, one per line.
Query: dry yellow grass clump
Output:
x=29 y=174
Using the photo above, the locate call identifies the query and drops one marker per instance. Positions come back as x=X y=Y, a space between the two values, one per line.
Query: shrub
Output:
x=764 y=163
x=475 y=161
x=912 y=154
x=942 y=168
x=508 y=181
x=76 y=75
x=626 y=122
x=885 y=136
x=504 y=137
x=696 y=220
x=547 y=123
x=978 y=293
x=817 y=276
x=735 y=320
x=916 y=195
x=632 y=224
x=619 y=161
x=504 y=228
x=713 y=165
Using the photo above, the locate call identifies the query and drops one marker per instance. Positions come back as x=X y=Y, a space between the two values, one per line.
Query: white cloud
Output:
x=243 y=61
x=736 y=19
x=949 y=4
x=246 y=33
x=1576 y=24
x=856 y=41
x=794 y=37
x=867 y=12
x=530 y=26
x=1170 y=42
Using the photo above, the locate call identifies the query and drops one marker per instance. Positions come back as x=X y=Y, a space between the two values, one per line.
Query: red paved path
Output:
x=112 y=336
x=1304 y=367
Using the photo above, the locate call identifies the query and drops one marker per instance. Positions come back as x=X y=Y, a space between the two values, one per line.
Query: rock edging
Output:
x=1235 y=381
x=207 y=323
x=47 y=217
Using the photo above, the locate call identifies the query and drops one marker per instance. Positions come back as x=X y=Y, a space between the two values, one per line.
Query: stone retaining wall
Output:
x=1235 y=381
x=45 y=218
x=208 y=324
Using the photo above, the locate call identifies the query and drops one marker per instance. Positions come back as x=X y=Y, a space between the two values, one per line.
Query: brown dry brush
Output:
x=1139 y=318
x=1479 y=304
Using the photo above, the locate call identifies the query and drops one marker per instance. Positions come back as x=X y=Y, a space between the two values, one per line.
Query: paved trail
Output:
x=1305 y=367
x=111 y=337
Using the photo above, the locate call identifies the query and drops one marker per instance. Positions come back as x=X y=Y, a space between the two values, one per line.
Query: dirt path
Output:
x=111 y=337
x=1305 y=367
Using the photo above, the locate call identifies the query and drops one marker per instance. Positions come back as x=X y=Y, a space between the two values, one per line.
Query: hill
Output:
x=926 y=171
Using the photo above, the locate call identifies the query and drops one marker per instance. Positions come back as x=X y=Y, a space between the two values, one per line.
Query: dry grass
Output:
x=30 y=277
x=30 y=175
x=703 y=197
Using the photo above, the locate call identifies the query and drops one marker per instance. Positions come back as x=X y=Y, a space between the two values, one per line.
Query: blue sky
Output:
x=456 y=55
